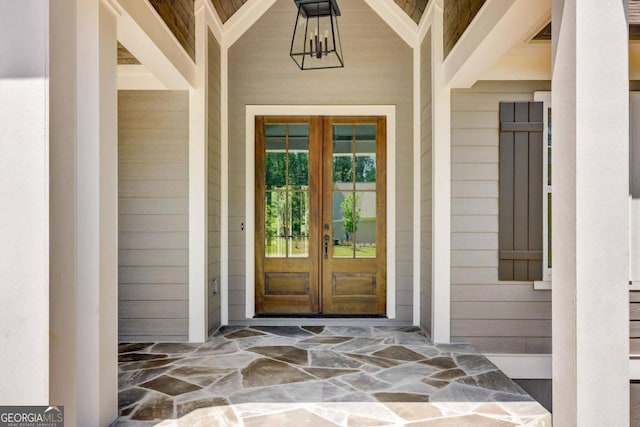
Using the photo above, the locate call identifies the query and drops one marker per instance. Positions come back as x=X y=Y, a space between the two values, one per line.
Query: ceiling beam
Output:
x=147 y=37
x=397 y=19
x=499 y=26
x=243 y=19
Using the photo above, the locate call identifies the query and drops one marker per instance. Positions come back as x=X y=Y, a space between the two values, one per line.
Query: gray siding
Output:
x=213 y=189
x=494 y=316
x=634 y=391
x=426 y=124
x=378 y=71
x=153 y=149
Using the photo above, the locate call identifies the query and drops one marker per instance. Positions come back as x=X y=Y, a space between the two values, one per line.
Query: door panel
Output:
x=321 y=215
x=287 y=215
x=354 y=212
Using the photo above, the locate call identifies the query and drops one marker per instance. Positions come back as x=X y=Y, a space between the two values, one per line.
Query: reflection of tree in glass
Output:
x=365 y=169
x=275 y=169
x=342 y=169
x=298 y=169
x=274 y=217
x=299 y=210
x=350 y=218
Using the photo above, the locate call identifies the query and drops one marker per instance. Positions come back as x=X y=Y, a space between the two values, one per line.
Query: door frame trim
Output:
x=388 y=111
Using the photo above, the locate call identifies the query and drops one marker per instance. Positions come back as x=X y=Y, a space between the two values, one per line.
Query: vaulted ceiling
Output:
x=413 y=8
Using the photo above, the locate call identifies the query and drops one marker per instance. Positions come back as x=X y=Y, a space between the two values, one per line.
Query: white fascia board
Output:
x=497 y=28
x=396 y=19
x=137 y=77
x=147 y=37
x=211 y=18
x=427 y=20
x=243 y=19
x=523 y=366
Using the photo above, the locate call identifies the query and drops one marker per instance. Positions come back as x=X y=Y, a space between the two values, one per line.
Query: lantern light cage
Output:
x=316 y=39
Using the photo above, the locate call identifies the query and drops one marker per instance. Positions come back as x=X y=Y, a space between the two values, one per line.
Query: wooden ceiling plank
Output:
x=221 y=13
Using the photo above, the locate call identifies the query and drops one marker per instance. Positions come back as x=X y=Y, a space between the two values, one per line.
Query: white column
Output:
x=24 y=201
x=96 y=212
x=590 y=213
x=441 y=185
x=83 y=209
x=198 y=185
x=62 y=210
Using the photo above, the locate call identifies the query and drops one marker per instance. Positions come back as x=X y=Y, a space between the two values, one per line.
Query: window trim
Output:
x=545 y=283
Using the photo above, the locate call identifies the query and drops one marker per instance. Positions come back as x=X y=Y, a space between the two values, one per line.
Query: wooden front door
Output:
x=320 y=215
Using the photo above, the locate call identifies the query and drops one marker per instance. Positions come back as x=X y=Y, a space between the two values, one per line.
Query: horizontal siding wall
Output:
x=495 y=316
x=378 y=71
x=634 y=322
x=213 y=190
x=426 y=125
x=153 y=137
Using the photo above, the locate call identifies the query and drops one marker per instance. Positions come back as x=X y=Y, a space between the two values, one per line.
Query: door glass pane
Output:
x=365 y=153
x=343 y=153
x=298 y=155
x=275 y=169
x=298 y=224
x=299 y=168
x=365 y=224
x=287 y=170
x=275 y=156
x=275 y=224
x=344 y=215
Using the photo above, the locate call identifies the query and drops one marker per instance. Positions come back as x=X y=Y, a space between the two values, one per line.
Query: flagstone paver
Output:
x=317 y=375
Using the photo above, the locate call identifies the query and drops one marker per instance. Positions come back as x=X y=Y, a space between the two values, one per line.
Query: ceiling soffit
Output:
x=413 y=8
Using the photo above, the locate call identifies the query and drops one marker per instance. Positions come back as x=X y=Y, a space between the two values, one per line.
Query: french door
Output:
x=320 y=215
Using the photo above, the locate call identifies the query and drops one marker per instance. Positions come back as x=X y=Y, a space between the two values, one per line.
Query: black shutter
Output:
x=520 y=225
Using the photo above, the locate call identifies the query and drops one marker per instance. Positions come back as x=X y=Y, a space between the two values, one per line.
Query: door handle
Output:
x=326 y=246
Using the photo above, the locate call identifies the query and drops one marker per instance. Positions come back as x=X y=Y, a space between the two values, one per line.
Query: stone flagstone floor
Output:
x=317 y=376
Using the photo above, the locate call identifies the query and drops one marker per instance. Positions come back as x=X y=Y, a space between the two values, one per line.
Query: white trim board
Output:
x=417 y=186
x=397 y=20
x=138 y=77
x=198 y=181
x=634 y=369
x=389 y=111
x=522 y=366
x=538 y=366
x=147 y=37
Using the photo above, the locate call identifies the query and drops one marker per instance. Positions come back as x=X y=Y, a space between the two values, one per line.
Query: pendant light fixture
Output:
x=316 y=39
